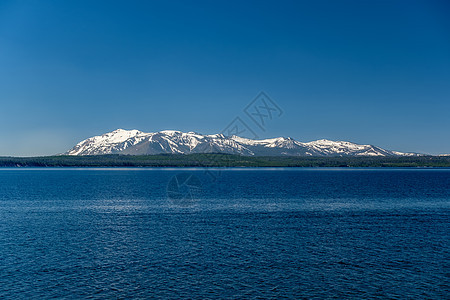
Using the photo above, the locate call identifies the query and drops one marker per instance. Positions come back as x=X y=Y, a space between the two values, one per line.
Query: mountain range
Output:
x=135 y=142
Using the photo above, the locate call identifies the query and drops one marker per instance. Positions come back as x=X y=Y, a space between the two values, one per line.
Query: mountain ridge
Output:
x=136 y=142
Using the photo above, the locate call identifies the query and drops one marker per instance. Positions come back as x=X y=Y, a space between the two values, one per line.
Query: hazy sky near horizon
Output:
x=373 y=72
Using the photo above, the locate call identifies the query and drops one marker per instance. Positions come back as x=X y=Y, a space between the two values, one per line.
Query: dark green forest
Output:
x=221 y=160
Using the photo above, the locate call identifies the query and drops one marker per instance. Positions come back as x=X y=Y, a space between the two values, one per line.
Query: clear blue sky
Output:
x=373 y=72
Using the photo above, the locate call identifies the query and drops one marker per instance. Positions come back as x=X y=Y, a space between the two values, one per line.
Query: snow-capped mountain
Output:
x=135 y=142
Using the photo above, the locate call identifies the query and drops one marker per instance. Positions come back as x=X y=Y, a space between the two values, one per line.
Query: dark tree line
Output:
x=221 y=160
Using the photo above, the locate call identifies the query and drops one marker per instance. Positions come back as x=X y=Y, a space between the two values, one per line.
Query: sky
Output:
x=370 y=72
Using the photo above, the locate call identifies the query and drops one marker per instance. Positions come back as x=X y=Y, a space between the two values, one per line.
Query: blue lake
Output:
x=232 y=233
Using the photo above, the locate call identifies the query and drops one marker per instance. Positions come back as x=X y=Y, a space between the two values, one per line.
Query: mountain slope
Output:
x=135 y=142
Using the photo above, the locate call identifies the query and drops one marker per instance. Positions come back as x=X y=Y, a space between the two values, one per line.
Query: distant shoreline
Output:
x=224 y=160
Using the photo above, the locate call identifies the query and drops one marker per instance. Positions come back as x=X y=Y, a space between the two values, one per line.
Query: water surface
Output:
x=233 y=233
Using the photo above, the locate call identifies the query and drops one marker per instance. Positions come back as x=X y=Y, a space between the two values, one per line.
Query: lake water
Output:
x=235 y=233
